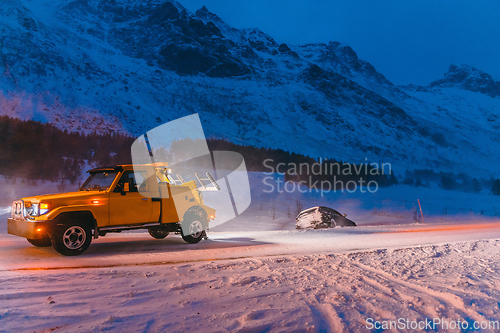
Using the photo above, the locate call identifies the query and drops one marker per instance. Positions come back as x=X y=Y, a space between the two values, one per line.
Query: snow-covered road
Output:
x=291 y=293
x=138 y=248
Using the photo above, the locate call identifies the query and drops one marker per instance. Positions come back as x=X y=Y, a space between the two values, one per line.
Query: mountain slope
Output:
x=130 y=66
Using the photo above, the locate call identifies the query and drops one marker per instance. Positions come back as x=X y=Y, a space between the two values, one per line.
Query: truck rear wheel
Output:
x=72 y=239
x=158 y=234
x=193 y=228
x=42 y=242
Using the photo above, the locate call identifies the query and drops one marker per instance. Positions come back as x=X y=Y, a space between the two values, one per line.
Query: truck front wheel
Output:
x=72 y=239
x=192 y=228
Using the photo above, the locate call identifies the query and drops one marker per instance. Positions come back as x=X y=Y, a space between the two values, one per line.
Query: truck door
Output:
x=127 y=205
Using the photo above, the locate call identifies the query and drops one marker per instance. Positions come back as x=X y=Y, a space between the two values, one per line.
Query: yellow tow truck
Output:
x=113 y=199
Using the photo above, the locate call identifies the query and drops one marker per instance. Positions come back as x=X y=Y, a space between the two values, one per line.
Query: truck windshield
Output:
x=99 y=181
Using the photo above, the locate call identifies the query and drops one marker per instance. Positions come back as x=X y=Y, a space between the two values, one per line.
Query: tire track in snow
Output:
x=450 y=299
x=323 y=312
x=334 y=319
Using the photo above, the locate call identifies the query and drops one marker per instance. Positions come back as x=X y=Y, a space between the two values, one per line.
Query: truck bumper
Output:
x=28 y=229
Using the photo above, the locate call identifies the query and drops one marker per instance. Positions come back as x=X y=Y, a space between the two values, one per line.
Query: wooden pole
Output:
x=419 y=206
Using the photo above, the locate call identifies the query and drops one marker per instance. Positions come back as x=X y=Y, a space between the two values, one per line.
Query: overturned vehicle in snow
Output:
x=322 y=217
x=114 y=199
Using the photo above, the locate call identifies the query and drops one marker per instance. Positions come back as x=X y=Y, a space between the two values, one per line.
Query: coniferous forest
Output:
x=35 y=151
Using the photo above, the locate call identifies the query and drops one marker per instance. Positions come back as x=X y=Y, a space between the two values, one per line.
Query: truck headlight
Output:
x=31 y=209
x=35 y=209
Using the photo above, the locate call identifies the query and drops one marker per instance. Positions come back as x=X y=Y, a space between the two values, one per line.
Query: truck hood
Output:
x=65 y=196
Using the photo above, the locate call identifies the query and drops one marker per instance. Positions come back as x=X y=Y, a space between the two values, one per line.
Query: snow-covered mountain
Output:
x=469 y=78
x=127 y=65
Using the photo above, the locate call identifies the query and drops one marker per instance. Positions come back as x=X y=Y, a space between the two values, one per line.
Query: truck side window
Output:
x=134 y=179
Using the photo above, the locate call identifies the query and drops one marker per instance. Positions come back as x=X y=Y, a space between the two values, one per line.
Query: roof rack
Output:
x=178 y=181
x=211 y=186
x=214 y=187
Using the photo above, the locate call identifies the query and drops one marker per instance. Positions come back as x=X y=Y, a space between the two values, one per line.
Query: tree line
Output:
x=40 y=151
x=451 y=181
x=301 y=168
x=35 y=151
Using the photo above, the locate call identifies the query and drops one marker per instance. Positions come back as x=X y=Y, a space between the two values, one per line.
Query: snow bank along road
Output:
x=319 y=280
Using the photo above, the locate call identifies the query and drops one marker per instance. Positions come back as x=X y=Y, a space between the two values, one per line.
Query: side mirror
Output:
x=120 y=189
x=125 y=189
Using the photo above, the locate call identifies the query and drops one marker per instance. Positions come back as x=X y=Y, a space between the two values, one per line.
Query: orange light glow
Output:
x=44 y=206
x=465 y=227
x=95 y=202
x=39 y=229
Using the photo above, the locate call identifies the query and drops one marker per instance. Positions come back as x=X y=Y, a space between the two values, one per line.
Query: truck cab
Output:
x=113 y=199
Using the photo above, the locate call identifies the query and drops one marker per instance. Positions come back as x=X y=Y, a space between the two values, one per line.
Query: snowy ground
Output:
x=258 y=274
x=327 y=292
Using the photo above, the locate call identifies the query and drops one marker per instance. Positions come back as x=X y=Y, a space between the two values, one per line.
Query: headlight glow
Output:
x=31 y=209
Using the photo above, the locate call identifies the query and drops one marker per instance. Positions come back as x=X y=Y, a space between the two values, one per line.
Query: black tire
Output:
x=193 y=227
x=72 y=238
x=42 y=242
x=158 y=234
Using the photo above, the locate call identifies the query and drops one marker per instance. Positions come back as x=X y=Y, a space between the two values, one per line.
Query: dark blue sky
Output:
x=407 y=41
